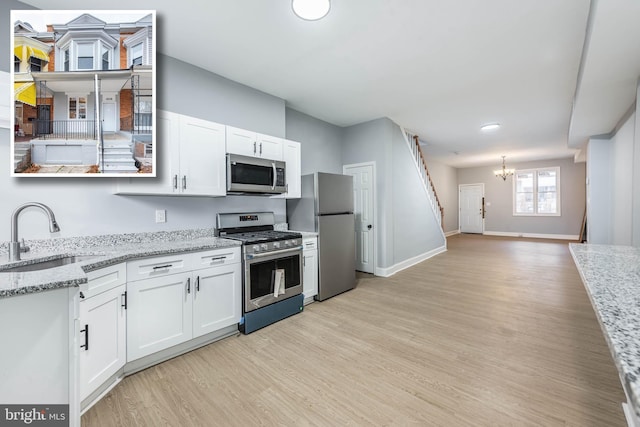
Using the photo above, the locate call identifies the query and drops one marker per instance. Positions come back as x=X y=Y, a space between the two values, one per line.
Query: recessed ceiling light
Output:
x=311 y=10
x=490 y=126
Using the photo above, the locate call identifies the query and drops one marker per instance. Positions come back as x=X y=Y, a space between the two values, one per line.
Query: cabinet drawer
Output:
x=157 y=266
x=104 y=279
x=215 y=257
x=309 y=243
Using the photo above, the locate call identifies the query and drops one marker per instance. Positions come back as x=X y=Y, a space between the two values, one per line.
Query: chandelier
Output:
x=504 y=172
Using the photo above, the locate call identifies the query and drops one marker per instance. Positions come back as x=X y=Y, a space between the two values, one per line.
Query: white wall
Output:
x=635 y=191
x=622 y=182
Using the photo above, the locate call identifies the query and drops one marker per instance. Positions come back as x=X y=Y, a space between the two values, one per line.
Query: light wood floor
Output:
x=494 y=332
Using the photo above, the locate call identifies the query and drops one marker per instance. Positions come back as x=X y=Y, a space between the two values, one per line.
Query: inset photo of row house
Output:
x=83 y=93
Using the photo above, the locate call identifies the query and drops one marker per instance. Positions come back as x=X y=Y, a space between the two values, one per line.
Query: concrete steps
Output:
x=118 y=157
x=21 y=156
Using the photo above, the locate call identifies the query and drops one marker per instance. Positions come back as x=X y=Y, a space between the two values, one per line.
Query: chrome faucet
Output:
x=14 y=245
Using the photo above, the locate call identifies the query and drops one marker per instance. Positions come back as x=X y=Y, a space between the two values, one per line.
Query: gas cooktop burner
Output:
x=263 y=236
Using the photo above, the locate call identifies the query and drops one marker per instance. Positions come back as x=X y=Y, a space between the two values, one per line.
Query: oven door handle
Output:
x=281 y=251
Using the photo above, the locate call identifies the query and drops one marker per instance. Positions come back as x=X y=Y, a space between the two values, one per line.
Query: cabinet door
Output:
x=292 y=157
x=103 y=352
x=217 y=298
x=159 y=314
x=167 y=161
x=241 y=141
x=202 y=158
x=310 y=273
x=269 y=147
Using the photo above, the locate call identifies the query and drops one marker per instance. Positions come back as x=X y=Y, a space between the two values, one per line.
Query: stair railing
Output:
x=421 y=163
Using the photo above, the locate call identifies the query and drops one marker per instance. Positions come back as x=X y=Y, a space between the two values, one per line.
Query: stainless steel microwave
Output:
x=255 y=175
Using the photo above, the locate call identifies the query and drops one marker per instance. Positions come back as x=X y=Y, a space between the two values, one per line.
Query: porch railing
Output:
x=65 y=129
x=141 y=125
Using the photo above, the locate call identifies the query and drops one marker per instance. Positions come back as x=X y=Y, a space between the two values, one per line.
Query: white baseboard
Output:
x=390 y=271
x=451 y=233
x=532 y=235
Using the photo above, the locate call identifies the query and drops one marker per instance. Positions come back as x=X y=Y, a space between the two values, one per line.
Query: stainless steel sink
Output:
x=43 y=265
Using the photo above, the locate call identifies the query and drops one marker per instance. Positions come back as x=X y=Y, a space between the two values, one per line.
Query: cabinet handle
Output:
x=261 y=148
x=175 y=182
x=184 y=182
x=218 y=258
x=189 y=285
x=254 y=147
x=198 y=284
x=304 y=261
x=124 y=297
x=86 y=337
x=159 y=267
x=81 y=295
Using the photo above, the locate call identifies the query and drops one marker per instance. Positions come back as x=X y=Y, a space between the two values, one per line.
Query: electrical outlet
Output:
x=161 y=215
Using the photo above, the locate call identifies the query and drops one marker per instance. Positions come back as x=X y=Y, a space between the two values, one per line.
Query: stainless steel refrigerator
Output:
x=326 y=207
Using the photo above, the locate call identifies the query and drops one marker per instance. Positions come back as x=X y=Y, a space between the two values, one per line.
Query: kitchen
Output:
x=89 y=208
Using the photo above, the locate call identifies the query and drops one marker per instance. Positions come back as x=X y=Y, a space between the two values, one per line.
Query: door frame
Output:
x=375 y=207
x=481 y=184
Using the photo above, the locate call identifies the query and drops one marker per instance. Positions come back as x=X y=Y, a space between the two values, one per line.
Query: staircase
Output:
x=421 y=164
x=21 y=156
x=118 y=156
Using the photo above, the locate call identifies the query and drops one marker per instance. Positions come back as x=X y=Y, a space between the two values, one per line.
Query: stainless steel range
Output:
x=272 y=267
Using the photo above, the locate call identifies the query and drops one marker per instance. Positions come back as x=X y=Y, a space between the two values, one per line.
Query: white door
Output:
x=109 y=117
x=363 y=198
x=471 y=215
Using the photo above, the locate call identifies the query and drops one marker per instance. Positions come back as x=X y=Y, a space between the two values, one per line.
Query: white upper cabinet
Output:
x=191 y=159
x=292 y=158
x=253 y=144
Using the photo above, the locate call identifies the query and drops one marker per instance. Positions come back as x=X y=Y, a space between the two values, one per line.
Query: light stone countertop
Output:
x=108 y=249
x=611 y=275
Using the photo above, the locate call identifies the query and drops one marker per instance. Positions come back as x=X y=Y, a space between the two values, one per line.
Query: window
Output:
x=105 y=58
x=35 y=64
x=66 y=60
x=143 y=112
x=85 y=56
x=536 y=192
x=136 y=54
x=77 y=107
x=16 y=64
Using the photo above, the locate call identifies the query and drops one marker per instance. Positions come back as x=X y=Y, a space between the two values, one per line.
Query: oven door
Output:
x=259 y=277
x=255 y=175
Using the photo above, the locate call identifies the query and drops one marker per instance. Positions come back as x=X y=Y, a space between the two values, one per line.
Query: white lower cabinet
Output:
x=310 y=268
x=170 y=309
x=103 y=319
x=159 y=314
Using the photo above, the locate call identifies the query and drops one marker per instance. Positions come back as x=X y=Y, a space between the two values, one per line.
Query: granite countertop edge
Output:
x=611 y=277
x=108 y=250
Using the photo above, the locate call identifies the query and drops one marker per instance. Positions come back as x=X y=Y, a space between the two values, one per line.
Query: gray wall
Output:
x=321 y=142
x=186 y=89
x=415 y=226
x=445 y=181
x=613 y=191
x=406 y=226
x=371 y=142
x=499 y=193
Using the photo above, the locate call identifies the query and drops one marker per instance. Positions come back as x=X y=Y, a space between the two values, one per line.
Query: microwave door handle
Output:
x=275 y=175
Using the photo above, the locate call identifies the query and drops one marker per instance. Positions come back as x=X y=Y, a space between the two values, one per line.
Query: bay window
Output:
x=85 y=56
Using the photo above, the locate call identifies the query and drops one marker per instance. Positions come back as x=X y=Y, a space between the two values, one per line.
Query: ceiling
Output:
x=438 y=68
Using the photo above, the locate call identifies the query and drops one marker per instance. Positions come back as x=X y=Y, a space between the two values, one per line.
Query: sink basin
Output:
x=43 y=265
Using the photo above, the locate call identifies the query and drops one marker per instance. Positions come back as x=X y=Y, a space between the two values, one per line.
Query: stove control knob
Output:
x=287 y=243
x=276 y=244
x=256 y=248
x=264 y=246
